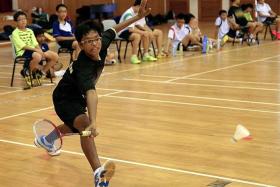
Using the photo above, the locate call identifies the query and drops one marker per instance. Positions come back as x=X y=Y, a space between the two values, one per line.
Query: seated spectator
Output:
x=268 y=16
x=222 y=28
x=27 y=46
x=63 y=31
x=239 y=22
x=153 y=34
x=135 y=35
x=41 y=39
x=176 y=34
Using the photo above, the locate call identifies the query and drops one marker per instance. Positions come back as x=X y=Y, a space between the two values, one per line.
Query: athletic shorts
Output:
x=125 y=34
x=69 y=110
x=66 y=44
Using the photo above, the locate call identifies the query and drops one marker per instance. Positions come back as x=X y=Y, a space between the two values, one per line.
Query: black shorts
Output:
x=125 y=34
x=231 y=33
x=66 y=44
x=269 y=20
x=68 y=110
x=28 y=54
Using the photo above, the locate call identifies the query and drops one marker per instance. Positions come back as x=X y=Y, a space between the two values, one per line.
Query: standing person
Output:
x=63 y=31
x=76 y=92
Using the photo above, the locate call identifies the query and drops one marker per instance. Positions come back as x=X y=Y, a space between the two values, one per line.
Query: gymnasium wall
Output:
x=205 y=10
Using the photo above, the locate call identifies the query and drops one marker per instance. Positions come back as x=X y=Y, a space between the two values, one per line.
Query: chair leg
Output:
x=13 y=74
x=71 y=57
x=271 y=34
x=127 y=42
x=118 y=49
x=154 y=49
x=265 y=32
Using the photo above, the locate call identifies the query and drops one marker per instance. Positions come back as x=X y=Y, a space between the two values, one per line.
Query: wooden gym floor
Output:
x=166 y=124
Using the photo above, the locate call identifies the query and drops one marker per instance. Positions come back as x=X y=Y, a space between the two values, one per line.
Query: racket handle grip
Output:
x=85 y=133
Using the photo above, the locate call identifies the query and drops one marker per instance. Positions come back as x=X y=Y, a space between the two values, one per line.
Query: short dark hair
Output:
x=222 y=12
x=38 y=32
x=60 y=5
x=180 y=16
x=84 y=28
x=246 y=6
x=19 y=13
x=189 y=17
x=137 y=3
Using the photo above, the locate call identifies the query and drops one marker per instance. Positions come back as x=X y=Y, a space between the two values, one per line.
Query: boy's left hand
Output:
x=143 y=11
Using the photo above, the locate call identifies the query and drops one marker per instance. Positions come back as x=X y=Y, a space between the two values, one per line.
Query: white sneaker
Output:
x=50 y=148
x=103 y=174
x=59 y=73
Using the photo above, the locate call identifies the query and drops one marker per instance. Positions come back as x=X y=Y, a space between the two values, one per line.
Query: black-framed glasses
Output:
x=92 y=41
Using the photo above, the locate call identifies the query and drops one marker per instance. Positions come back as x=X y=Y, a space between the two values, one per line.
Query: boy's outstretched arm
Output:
x=143 y=12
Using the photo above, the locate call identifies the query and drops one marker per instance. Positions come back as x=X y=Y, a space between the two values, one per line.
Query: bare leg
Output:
x=135 y=38
x=159 y=36
x=88 y=145
x=51 y=58
x=34 y=63
x=76 y=51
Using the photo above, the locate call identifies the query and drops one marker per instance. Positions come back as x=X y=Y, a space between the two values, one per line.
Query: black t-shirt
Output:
x=82 y=75
x=238 y=14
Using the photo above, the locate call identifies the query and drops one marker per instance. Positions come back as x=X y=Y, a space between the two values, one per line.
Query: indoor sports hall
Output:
x=201 y=111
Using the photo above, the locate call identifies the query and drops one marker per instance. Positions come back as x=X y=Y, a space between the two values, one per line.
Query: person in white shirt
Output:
x=135 y=35
x=222 y=26
x=267 y=16
x=176 y=33
x=153 y=34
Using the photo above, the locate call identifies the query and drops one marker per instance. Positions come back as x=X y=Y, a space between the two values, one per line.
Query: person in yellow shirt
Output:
x=27 y=46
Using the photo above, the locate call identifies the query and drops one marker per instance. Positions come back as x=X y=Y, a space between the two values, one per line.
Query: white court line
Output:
x=203 y=85
x=11 y=87
x=154 y=166
x=47 y=108
x=5 y=93
x=171 y=61
x=193 y=104
x=219 y=69
x=10 y=78
x=213 y=80
x=191 y=96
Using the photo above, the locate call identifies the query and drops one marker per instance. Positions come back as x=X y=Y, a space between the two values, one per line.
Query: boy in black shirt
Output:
x=239 y=22
x=76 y=92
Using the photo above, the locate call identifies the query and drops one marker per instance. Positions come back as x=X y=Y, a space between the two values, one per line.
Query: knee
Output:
x=137 y=37
x=36 y=57
x=81 y=123
x=75 y=45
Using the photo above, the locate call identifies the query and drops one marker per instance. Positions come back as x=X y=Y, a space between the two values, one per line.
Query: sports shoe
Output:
x=224 y=40
x=134 y=60
x=278 y=35
x=50 y=148
x=149 y=58
x=103 y=174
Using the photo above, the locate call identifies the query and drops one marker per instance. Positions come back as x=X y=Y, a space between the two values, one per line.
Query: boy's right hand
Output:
x=143 y=11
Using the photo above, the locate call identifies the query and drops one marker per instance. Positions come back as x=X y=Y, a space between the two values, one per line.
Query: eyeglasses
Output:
x=22 y=19
x=91 y=41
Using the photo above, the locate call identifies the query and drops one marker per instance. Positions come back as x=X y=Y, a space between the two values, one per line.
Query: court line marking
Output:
x=189 y=58
x=191 y=96
x=202 y=85
x=5 y=93
x=219 y=69
x=193 y=104
x=153 y=166
x=47 y=108
x=213 y=80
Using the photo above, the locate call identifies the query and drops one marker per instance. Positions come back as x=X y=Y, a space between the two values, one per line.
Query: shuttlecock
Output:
x=241 y=133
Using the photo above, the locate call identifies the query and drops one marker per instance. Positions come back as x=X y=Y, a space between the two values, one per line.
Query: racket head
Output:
x=44 y=127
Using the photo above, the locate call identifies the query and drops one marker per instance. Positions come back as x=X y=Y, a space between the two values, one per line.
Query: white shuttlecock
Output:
x=241 y=132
